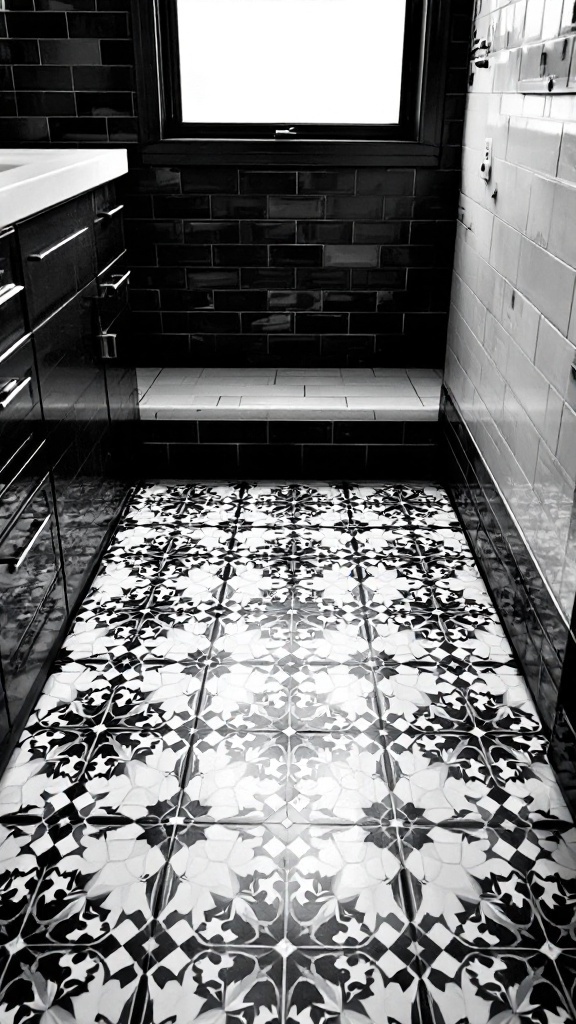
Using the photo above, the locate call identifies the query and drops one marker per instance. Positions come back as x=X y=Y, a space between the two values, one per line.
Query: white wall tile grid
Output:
x=512 y=333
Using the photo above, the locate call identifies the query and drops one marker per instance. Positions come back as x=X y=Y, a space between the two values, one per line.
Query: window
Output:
x=290 y=62
x=264 y=71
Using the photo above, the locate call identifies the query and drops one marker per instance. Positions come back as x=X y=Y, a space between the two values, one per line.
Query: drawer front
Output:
x=20 y=416
x=58 y=255
x=32 y=602
x=11 y=291
x=108 y=226
x=113 y=293
x=71 y=375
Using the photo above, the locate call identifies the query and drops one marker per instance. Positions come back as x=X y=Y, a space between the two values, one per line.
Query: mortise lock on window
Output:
x=486 y=165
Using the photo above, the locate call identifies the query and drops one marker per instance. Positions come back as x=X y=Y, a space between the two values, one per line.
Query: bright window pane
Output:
x=294 y=61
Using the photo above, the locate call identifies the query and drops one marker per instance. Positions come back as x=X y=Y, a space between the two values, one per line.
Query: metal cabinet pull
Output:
x=108 y=346
x=9 y=292
x=14 y=348
x=10 y=388
x=115 y=285
x=35 y=256
x=7 y=231
x=15 y=562
x=108 y=213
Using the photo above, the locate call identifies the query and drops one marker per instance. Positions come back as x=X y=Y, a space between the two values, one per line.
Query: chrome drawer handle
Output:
x=15 y=562
x=36 y=256
x=108 y=346
x=10 y=388
x=14 y=348
x=115 y=285
x=108 y=213
x=9 y=292
x=7 y=231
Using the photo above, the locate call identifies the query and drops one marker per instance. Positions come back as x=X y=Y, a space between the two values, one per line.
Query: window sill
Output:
x=292 y=152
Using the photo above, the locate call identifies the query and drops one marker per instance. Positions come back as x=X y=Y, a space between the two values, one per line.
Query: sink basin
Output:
x=31 y=180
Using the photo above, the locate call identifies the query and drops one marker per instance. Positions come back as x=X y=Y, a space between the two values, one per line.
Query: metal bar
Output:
x=11 y=389
x=9 y=292
x=36 y=256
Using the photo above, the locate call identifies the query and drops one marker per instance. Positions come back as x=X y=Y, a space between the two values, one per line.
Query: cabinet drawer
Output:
x=58 y=255
x=19 y=400
x=113 y=292
x=11 y=291
x=108 y=226
x=32 y=602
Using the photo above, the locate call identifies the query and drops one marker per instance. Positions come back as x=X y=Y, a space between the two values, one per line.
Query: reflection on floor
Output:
x=286 y=771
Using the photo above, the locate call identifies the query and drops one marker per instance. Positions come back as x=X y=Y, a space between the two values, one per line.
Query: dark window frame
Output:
x=416 y=140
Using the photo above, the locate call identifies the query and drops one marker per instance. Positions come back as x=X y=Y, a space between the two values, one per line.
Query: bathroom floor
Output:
x=286 y=771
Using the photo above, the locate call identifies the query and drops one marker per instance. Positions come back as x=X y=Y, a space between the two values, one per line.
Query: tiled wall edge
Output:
x=537 y=627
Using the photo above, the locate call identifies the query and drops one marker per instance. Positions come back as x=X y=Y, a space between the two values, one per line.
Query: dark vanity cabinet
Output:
x=67 y=410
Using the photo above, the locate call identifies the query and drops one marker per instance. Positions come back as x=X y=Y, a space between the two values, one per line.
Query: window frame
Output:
x=415 y=140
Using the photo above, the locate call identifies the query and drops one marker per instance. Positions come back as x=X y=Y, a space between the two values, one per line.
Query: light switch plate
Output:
x=486 y=164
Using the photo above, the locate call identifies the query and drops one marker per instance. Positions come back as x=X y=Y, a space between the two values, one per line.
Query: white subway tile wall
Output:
x=512 y=333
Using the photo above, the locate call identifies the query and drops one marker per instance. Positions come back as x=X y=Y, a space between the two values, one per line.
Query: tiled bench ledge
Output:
x=377 y=393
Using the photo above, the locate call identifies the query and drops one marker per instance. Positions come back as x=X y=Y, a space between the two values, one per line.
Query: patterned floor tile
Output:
x=386 y=589
x=386 y=547
x=438 y=698
x=422 y=698
x=312 y=697
x=502 y=987
x=352 y=987
x=167 y=636
x=225 y=885
x=296 y=582
x=302 y=504
x=434 y=543
x=552 y=877
x=497 y=697
x=183 y=505
x=345 y=888
x=135 y=545
x=237 y=777
x=123 y=581
x=459 y=778
x=286 y=772
x=297 y=547
x=332 y=698
x=94 y=773
x=76 y=912
x=335 y=637
x=471 y=888
x=231 y=986
x=338 y=779
x=140 y=696
x=425 y=640
x=377 y=506
x=245 y=697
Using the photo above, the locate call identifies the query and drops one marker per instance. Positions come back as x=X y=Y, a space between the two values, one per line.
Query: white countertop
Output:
x=31 y=180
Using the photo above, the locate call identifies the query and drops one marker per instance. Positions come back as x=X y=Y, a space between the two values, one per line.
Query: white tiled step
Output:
x=268 y=393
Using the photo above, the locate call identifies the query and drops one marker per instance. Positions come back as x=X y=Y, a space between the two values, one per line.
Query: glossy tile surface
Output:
x=286 y=771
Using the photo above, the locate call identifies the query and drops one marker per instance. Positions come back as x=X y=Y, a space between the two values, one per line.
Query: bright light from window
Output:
x=291 y=61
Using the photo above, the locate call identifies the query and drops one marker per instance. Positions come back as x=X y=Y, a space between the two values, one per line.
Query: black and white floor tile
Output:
x=286 y=772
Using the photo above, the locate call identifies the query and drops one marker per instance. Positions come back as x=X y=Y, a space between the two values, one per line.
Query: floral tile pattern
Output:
x=286 y=772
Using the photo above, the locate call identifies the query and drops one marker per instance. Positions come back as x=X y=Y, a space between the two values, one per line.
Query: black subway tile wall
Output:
x=234 y=266
x=72 y=73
